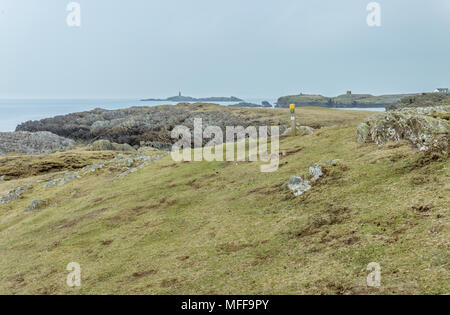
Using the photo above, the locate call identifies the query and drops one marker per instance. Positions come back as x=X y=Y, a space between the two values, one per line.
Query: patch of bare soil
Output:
x=143 y=274
x=334 y=215
x=67 y=224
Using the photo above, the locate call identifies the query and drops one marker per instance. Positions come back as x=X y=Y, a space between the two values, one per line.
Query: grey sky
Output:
x=246 y=48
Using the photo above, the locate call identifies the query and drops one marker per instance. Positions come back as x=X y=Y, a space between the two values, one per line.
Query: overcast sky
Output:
x=245 y=48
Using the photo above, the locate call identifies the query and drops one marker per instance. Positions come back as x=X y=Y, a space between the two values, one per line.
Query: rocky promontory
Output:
x=136 y=125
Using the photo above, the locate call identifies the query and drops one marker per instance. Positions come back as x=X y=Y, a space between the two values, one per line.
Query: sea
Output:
x=16 y=111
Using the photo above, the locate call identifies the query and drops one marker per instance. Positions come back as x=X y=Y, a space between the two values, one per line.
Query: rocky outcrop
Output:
x=424 y=127
x=36 y=205
x=298 y=185
x=151 y=125
x=301 y=131
x=33 y=143
x=122 y=164
x=13 y=194
x=105 y=145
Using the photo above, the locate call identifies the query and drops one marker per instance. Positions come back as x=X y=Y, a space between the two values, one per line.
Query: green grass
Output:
x=227 y=228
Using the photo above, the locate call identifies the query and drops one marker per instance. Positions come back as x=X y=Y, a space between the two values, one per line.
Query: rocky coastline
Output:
x=421 y=119
x=136 y=126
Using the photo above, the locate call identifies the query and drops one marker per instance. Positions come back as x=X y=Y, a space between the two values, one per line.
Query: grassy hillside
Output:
x=227 y=228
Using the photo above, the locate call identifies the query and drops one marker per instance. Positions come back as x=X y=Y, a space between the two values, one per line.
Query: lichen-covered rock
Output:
x=36 y=204
x=51 y=183
x=13 y=194
x=105 y=145
x=316 y=172
x=300 y=184
x=151 y=125
x=93 y=168
x=305 y=130
x=124 y=164
x=421 y=126
x=301 y=131
x=33 y=142
x=65 y=180
x=363 y=131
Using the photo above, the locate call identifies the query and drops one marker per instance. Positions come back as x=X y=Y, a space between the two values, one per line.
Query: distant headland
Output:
x=342 y=101
x=181 y=98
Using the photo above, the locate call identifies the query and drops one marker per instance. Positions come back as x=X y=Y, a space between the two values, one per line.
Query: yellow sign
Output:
x=292 y=106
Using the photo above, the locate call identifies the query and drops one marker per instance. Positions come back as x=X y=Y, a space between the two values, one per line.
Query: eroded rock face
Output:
x=33 y=143
x=422 y=126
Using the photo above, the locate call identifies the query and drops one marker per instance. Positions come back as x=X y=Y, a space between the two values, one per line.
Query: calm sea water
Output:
x=16 y=111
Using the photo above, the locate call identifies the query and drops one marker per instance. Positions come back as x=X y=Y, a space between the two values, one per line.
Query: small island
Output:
x=181 y=98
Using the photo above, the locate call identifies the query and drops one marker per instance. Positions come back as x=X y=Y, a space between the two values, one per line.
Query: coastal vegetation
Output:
x=225 y=227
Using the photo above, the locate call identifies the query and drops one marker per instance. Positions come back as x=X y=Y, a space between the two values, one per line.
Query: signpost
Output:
x=293 y=125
